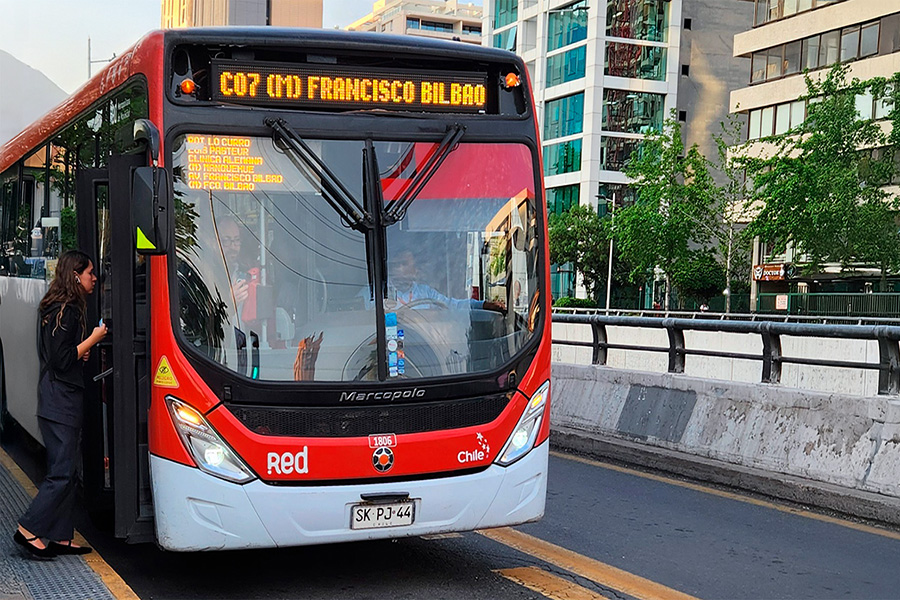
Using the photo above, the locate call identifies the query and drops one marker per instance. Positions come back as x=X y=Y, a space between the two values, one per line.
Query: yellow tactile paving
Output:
x=110 y=578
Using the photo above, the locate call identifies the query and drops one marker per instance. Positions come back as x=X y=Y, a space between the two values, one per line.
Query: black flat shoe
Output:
x=34 y=551
x=68 y=548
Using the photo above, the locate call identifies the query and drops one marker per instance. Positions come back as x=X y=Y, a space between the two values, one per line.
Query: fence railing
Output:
x=770 y=332
x=848 y=304
x=780 y=316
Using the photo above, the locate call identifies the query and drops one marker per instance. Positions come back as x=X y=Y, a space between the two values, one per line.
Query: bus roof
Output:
x=338 y=39
x=146 y=56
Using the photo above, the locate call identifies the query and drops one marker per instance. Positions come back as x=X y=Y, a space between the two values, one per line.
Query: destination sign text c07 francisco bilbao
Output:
x=355 y=88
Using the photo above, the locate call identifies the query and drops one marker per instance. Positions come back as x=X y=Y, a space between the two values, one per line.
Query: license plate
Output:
x=371 y=516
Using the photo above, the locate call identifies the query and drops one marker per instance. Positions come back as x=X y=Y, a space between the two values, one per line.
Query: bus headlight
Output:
x=209 y=451
x=525 y=432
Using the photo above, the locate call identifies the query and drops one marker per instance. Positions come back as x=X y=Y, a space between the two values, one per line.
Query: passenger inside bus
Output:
x=237 y=264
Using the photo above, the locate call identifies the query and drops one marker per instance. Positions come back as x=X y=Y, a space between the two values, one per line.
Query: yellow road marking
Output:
x=894 y=535
x=116 y=585
x=602 y=573
x=441 y=536
x=548 y=584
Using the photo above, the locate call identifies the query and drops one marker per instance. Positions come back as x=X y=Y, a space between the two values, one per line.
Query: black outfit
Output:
x=60 y=414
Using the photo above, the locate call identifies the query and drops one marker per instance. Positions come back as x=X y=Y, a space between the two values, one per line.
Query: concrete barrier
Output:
x=833 y=450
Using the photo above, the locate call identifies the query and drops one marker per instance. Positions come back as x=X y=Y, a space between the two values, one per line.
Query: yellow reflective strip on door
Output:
x=142 y=242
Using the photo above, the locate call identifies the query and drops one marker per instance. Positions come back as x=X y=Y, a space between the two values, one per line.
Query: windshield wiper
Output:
x=373 y=193
x=323 y=178
x=395 y=210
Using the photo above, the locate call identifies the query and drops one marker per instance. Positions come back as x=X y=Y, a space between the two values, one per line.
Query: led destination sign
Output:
x=229 y=163
x=333 y=86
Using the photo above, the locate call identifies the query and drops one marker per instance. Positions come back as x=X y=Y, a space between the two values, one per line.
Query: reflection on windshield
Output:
x=273 y=283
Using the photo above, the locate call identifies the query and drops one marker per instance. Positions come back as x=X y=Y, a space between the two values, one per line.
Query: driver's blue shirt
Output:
x=422 y=291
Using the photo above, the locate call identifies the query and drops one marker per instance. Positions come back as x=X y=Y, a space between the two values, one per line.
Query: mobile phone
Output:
x=101 y=323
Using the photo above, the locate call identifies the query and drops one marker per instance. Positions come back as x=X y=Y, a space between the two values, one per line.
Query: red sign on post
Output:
x=770 y=272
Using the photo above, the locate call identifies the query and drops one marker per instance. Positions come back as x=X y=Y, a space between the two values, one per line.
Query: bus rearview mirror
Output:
x=150 y=194
x=145 y=131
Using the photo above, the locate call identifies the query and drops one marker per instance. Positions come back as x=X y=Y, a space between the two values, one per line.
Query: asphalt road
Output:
x=609 y=532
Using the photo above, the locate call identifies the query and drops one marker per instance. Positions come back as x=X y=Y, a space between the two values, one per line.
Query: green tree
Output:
x=68 y=226
x=730 y=195
x=675 y=207
x=580 y=236
x=698 y=277
x=819 y=188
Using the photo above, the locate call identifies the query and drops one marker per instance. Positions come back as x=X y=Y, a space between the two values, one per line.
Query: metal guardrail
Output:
x=888 y=337
x=780 y=317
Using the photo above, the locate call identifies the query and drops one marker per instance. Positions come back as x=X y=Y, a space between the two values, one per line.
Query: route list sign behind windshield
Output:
x=229 y=163
x=356 y=88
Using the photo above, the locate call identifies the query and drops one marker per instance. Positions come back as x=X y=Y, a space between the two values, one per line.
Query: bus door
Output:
x=115 y=451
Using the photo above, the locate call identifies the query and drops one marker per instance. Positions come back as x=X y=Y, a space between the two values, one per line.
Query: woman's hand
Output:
x=98 y=334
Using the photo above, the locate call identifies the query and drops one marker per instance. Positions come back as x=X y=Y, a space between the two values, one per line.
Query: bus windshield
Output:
x=274 y=283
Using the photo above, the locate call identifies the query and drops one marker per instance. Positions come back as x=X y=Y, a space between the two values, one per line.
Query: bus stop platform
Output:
x=64 y=577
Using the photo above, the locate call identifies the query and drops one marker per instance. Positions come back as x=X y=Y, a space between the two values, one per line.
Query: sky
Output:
x=52 y=35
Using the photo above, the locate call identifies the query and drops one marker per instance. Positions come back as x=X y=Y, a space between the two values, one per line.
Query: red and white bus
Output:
x=323 y=261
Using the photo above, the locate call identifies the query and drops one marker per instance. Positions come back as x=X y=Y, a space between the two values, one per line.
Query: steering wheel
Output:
x=424 y=302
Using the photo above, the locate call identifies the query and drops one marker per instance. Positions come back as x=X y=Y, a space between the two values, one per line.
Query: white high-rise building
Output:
x=605 y=72
x=442 y=19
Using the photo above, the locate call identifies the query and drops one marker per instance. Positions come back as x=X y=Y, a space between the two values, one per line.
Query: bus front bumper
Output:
x=196 y=511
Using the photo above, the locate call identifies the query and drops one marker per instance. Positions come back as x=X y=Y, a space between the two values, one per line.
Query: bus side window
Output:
x=9 y=186
x=17 y=221
x=37 y=185
x=37 y=195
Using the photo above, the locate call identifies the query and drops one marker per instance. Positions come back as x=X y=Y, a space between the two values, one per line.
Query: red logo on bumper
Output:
x=383 y=459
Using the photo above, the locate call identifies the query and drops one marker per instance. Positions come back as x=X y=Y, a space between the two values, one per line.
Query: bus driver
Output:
x=405 y=289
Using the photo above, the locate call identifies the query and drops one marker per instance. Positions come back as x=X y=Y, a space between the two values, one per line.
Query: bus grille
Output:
x=360 y=421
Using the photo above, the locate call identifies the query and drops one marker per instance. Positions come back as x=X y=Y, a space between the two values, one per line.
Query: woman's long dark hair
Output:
x=65 y=289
